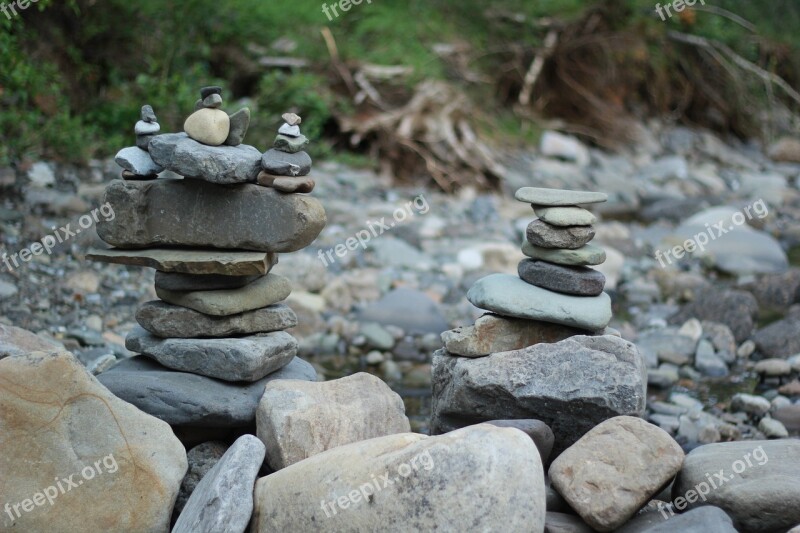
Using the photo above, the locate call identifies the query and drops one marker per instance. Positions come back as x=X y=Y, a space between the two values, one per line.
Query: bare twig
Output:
x=333 y=51
x=536 y=67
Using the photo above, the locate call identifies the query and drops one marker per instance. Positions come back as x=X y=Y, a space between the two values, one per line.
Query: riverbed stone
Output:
x=424 y=490
x=58 y=420
x=760 y=496
x=297 y=420
x=287 y=184
x=588 y=255
x=173 y=212
x=537 y=430
x=285 y=164
x=494 y=333
x=174 y=281
x=508 y=295
x=18 y=341
x=544 y=235
x=265 y=291
x=779 y=339
x=175 y=321
x=202 y=459
x=138 y=161
x=184 y=399
x=240 y=122
x=558 y=197
x=571 y=386
x=565 y=216
x=208 y=126
x=578 y=281
x=705 y=519
x=224 y=165
x=230 y=359
x=223 y=500
x=614 y=469
x=734 y=308
x=224 y=262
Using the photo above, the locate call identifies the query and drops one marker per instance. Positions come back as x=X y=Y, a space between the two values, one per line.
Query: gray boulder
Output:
x=223 y=165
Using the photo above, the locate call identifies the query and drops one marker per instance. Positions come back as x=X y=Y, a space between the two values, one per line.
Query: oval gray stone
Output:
x=588 y=255
x=540 y=233
x=578 y=281
x=265 y=291
x=565 y=216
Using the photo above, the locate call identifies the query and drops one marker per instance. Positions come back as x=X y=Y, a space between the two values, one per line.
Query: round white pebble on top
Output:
x=208 y=126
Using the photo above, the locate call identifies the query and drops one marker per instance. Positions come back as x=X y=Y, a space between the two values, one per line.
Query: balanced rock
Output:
x=410 y=482
x=224 y=262
x=240 y=122
x=290 y=144
x=263 y=292
x=139 y=162
x=168 y=212
x=223 y=500
x=286 y=164
x=173 y=281
x=565 y=216
x=614 y=469
x=588 y=255
x=68 y=443
x=571 y=386
x=558 y=197
x=297 y=420
x=508 y=295
x=175 y=321
x=224 y=165
x=231 y=359
x=208 y=126
x=544 y=235
x=495 y=333
x=759 y=487
x=183 y=399
x=575 y=280
x=286 y=184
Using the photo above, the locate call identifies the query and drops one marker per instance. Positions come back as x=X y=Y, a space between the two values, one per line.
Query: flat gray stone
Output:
x=544 y=235
x=760 y=496
x=223 y=165
x=184 y=399
x=146 y=128
x=588 y=255
x=138 y=161
x=508 y=295
x=289 y=144
x=175 y=321
x=495 y=333
x=286 y=164
x=265 y=291
x=174 y=281
x=578 y=281
x=297 y=420
x=557 y=197
x=225 y=262
x=571 y=386
x=232 y=359
x=223 y=500
x=615 y=469
x=565 y=216
x=290 y=130
x=174 y=212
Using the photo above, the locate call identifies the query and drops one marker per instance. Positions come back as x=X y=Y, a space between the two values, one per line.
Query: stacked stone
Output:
x=543 y=352
x=220 y=323
x=286 y=165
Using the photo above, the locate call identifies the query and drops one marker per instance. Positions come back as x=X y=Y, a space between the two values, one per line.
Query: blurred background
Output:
x=672 y=113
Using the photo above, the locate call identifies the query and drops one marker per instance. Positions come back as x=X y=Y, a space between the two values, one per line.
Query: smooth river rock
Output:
x=558 y=197
x=18 y=341
x=263 y=292
x=565 y=216
x=224 y=165
x=174 y=212
x=134 y=159
x=578 y=281
x=183 y=399
x=588 y=255
x=226 y=262
x=232 y=359
x=410 y=482
x=571 y=386
x=175 y=321
x=540 y=233
x=285 y=164
x=297 y=420
x=59 y=423
x=508 y=295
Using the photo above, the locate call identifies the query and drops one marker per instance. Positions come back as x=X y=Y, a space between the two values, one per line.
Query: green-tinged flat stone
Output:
x=263 y=292
x=508 y=295
x=557 y=197
x=565 y=216
x=229 y=263
x=588 y=255
x=290 y=145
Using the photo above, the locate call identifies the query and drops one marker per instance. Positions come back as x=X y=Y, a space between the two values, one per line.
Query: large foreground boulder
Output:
x=18 y=341
x=170 y=212
x=572 y=386
x=474 y=479
x=298 y=419
x=74 y=457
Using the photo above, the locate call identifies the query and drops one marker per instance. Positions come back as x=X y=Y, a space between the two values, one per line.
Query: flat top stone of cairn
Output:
x=558 y=197
x=229 y=263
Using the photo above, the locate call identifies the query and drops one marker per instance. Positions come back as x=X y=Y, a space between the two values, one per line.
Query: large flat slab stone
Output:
x=183 y=399
x=558 y=197
x=174 y=212
x=232 y=359
x=227 y=262
x=216 y=164
x=175 y=321
x=508 y=295
x=263 y=292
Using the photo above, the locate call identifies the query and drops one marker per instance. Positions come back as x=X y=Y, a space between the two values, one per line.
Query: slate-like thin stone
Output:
x=558 y=197
x=588 y=255
x=576 y=280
